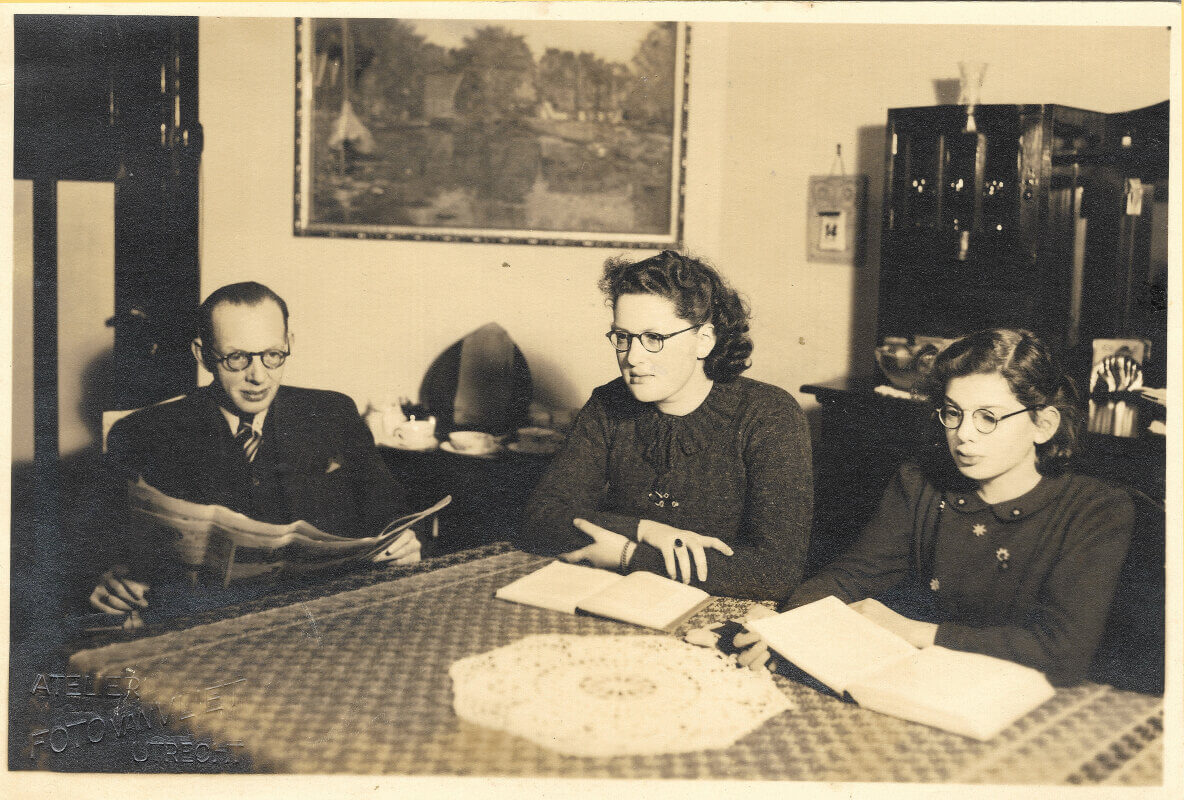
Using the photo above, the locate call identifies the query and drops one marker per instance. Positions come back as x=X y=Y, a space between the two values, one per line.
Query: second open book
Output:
x=966 y=693
x=640 y=598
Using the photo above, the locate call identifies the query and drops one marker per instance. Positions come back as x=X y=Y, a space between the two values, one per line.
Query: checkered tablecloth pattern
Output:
x=357 y=682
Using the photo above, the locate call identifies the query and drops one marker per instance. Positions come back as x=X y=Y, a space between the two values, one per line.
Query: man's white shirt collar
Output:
x=232 y=420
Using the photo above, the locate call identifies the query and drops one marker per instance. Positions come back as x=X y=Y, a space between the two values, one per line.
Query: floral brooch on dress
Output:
x=1002 y=556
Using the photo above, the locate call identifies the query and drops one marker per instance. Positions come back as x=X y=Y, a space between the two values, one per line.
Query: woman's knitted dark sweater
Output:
x=737 y=467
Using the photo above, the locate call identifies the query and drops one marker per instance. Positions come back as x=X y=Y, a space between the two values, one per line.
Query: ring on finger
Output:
x=677 y=543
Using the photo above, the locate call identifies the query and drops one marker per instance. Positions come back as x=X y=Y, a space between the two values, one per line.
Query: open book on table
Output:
x=215 y=539
x=640 y=598
x=966 y=693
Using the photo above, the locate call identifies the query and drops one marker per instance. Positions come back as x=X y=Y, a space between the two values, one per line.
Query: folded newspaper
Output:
x=211 y=538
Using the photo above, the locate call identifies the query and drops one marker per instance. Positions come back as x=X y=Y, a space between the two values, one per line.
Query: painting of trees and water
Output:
x=558 y=132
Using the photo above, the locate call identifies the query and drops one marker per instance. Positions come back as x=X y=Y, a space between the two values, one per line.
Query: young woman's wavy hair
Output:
x=700 y=295
x=1030 y=370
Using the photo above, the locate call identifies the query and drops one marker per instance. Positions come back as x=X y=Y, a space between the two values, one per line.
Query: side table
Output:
x=488 y=494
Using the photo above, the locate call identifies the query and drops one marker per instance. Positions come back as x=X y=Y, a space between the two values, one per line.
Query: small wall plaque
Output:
x=834 y=221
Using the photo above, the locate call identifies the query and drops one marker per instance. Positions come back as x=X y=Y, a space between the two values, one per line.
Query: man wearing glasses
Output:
x=272 y=452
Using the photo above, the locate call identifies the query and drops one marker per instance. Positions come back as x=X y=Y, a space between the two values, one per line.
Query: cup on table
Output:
x=392 y=418
x=471 y=442
x=415 y=434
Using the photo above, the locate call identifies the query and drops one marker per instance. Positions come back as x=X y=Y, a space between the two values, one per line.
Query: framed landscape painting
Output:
x=533 y=132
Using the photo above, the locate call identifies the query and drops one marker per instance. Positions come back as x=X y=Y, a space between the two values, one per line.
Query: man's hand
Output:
x=916 y=633
x=605 y=550
x=405 y=549
x=679 y=548
x=119 y=594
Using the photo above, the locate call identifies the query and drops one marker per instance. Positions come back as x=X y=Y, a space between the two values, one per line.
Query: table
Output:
x=356 y=681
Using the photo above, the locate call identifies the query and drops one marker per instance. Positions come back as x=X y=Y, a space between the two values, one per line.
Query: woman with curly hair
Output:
x=999 y=549
x=680 y=466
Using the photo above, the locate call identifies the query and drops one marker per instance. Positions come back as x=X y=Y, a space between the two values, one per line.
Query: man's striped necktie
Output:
x=247 y=437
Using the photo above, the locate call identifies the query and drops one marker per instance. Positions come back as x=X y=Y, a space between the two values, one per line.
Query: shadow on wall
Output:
x=865 y=300
x=554 y=391
x=946 y=91
x=52 y=531
x=98 y=394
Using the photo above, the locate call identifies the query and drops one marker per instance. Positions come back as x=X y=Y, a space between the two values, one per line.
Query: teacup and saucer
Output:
x=415 y=434
x=471 y=443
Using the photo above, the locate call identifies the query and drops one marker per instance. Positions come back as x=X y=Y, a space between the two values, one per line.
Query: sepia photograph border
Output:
x=359 y=785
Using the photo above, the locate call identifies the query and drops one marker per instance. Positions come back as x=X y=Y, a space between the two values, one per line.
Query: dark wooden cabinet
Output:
x=115 y=99
x=1024 y=221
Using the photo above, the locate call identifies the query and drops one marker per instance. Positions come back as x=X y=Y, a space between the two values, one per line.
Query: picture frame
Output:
x=568 y=133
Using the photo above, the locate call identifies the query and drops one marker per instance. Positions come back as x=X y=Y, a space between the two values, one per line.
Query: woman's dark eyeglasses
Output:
x=240 y=360
x=623 y=340
x=984 y=421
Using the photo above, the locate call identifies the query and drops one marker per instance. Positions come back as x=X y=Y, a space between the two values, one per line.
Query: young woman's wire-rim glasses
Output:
x=240 y=359
x=623 y=340
x=985 y=421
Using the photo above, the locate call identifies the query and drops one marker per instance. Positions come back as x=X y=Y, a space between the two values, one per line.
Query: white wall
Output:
x=768 y=104
x=86 y=299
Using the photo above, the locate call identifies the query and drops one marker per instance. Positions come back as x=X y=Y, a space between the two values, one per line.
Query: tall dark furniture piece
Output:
x=114 y=99
x=108 y=99
x=1024 y=221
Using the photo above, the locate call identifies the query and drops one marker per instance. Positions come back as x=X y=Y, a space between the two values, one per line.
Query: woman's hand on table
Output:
x=605 y=550
x=754 y=652
x=679 y=548
x=405 y=549
x=915 y=632
x=118 y=594
x=751 y=650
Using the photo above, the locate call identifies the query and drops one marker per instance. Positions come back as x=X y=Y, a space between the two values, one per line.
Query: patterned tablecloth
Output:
x=357 y=682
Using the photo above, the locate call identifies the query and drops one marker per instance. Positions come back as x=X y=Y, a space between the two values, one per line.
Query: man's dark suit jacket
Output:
x=318 y=450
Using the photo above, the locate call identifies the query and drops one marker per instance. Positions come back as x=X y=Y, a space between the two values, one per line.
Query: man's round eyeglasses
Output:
x=984 y=421
x=623 y=340
x=240 y=359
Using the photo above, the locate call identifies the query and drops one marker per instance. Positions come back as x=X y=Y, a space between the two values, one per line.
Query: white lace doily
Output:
x=613 y=695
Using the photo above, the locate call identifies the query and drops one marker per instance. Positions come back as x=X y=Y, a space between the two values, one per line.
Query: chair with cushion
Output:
x=1131 y=653
x=111 y=417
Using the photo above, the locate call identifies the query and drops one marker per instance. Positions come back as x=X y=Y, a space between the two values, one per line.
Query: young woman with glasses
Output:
x=680 y=466
x=1009 y=554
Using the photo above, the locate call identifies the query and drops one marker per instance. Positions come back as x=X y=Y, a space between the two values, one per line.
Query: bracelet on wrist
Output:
x=626 y=553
